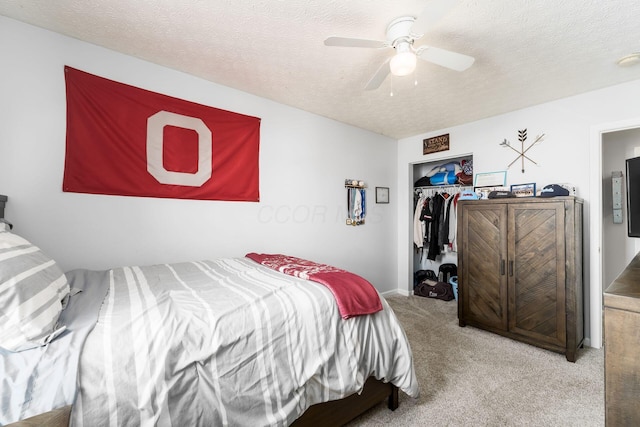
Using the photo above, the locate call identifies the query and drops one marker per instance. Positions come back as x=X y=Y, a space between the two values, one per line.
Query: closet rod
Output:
x=456 y=187
x=443 y=186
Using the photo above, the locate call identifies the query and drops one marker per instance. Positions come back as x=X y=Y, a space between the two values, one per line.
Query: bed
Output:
x=214 y=342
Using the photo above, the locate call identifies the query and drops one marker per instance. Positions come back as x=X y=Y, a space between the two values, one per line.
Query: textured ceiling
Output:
x=527 y=51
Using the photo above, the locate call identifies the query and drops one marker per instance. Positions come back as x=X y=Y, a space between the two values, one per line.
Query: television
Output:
x=633 y=197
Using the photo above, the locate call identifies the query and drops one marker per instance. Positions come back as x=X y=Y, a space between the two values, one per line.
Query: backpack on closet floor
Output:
x=421 y=275
x=447 y=271
x=434 y=289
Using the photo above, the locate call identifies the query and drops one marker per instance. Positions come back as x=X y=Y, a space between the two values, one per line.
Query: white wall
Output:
x=304 y=160
x=563 y=157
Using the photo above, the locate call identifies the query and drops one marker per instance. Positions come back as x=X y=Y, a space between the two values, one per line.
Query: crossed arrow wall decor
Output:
x=522 y=137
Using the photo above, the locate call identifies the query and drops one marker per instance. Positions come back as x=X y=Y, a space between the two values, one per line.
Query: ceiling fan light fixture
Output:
x=404 y=62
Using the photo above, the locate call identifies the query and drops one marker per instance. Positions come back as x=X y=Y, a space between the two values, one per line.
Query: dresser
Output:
x=622 y=347
x=520 y=270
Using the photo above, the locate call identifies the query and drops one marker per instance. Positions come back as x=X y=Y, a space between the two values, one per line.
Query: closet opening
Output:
x=436 y=187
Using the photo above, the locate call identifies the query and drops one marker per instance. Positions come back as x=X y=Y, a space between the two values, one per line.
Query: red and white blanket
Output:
x=354 y=295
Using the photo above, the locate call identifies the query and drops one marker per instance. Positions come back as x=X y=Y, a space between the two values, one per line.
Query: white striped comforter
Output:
x=228 y=342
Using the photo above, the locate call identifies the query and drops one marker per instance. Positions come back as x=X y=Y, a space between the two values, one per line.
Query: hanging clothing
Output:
x=453 y=224
x=438 y=213
x=357 y=205
x=435 y=220
x=443 y=231
x=419 y=227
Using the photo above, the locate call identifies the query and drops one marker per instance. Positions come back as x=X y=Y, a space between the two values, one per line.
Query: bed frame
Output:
x=340 y=412
x=56 y=418
x=3 y=200
x=334 y=413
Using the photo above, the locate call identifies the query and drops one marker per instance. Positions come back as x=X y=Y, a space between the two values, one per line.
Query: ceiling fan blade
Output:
x=434 y=12
x=379 y=76
x=446 y=58
x=351 y=42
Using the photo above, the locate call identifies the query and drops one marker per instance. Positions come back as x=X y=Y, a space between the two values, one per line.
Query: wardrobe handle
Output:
x=501 y=267
x=510 y=268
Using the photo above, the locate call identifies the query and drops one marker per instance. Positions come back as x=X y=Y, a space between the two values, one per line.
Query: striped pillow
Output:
x=32 y=288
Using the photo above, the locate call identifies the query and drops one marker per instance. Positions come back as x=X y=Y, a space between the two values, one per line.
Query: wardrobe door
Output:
x=536 y=272
x=483 y=280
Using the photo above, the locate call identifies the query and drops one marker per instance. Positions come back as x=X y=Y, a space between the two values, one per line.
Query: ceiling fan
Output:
x=401 y=35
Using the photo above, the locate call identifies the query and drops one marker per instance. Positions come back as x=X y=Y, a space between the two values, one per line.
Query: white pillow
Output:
x=32 y=288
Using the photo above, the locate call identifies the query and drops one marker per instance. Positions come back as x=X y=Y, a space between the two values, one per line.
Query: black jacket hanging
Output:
x=434 y=247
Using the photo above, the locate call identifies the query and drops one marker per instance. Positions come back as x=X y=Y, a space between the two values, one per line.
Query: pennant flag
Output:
x=128 y=141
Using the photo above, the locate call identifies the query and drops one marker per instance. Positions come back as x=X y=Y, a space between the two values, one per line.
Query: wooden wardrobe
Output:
x=520 y=270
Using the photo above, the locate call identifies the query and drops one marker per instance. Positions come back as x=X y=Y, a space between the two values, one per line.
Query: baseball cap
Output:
x=501 y=194
x=468 y=195
x=553 y=190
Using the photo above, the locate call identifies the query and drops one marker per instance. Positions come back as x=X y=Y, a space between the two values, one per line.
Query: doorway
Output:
x=610 y=144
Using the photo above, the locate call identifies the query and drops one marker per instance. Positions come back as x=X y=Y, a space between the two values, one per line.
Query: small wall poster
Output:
x=435 y=144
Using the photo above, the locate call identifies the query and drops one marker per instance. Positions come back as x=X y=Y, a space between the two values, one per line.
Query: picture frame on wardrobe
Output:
x=524 y=190
x=491 y=179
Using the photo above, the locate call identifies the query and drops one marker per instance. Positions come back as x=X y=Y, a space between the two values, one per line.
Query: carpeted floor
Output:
x=470 y=377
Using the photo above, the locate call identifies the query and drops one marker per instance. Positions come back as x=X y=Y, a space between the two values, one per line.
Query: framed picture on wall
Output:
x=382 y=194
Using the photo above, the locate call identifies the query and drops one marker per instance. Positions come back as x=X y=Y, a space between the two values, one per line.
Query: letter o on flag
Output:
x=155 y=149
